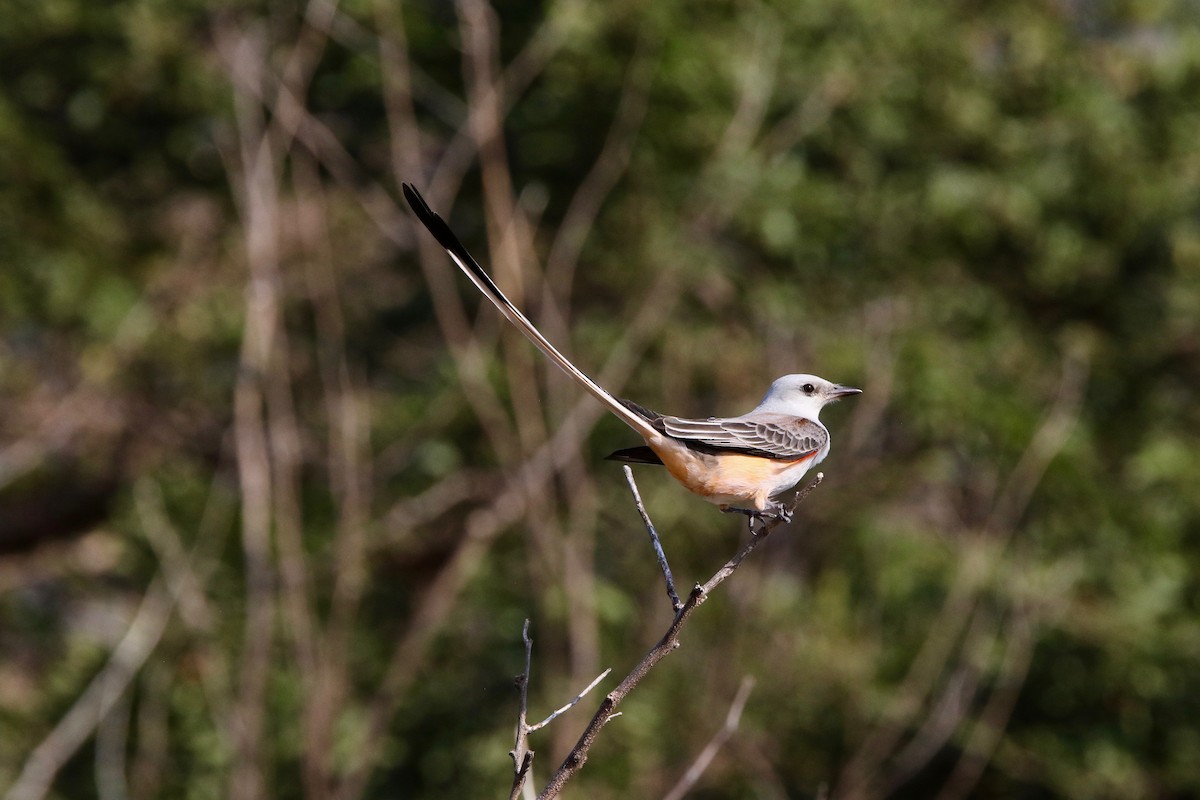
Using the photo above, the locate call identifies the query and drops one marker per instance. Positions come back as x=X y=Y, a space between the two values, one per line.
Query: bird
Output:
x=741 y=464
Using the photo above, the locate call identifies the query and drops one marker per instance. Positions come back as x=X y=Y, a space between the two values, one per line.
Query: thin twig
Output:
x=698 y=767
x=521 y=755
x=668 y=643
x=579 y=754
x=676 y=604
x=556 y=714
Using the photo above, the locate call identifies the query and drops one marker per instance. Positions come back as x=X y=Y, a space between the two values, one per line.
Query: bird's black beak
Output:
x=840 y=391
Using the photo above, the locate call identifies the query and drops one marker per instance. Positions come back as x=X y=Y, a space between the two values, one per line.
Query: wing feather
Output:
x=775 y=436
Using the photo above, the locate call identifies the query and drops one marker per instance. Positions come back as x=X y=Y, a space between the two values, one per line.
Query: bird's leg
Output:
x=752 y=516
x=734 y=510
x=776 y=512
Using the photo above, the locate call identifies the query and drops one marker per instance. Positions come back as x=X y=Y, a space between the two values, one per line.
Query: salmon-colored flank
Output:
x=730 y=478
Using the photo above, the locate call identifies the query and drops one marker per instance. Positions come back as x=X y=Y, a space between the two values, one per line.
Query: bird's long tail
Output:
x=446 y=238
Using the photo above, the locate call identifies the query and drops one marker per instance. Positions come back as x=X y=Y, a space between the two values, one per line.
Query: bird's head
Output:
x=803 y=395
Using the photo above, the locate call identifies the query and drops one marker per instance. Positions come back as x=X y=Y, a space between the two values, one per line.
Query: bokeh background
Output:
x=277 y=492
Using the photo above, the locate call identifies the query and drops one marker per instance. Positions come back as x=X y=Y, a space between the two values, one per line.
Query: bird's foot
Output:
x=780 y=512
x=776 y=512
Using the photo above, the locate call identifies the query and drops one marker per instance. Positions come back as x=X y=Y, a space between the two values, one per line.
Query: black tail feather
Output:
x=635 y=455
x=445 y=237
x=635 y=417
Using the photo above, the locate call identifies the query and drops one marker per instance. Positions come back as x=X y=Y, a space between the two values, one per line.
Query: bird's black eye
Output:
x=808 y=388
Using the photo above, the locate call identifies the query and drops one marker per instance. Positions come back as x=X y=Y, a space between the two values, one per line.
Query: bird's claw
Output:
x=780 y=512
x=777 y=513
x=751 y=517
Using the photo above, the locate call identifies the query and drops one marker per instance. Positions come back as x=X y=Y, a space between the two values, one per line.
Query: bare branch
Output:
x=676 y=604
x=579 y=754
x=521 y=755
x=556 y=714
x=667 y=644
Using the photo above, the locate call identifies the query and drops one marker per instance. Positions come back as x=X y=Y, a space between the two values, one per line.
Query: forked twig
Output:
x=555 y=714
x=521 y=755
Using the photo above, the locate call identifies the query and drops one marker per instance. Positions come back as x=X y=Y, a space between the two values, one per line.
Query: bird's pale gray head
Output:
x=803 y=395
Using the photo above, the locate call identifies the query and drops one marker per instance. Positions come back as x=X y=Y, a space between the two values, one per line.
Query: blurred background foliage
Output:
x=276 y=493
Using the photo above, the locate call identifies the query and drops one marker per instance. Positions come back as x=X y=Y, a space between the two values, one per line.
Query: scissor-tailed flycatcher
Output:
x=740 y=463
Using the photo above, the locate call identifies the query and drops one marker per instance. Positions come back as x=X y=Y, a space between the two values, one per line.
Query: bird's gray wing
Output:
x=777 y=436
